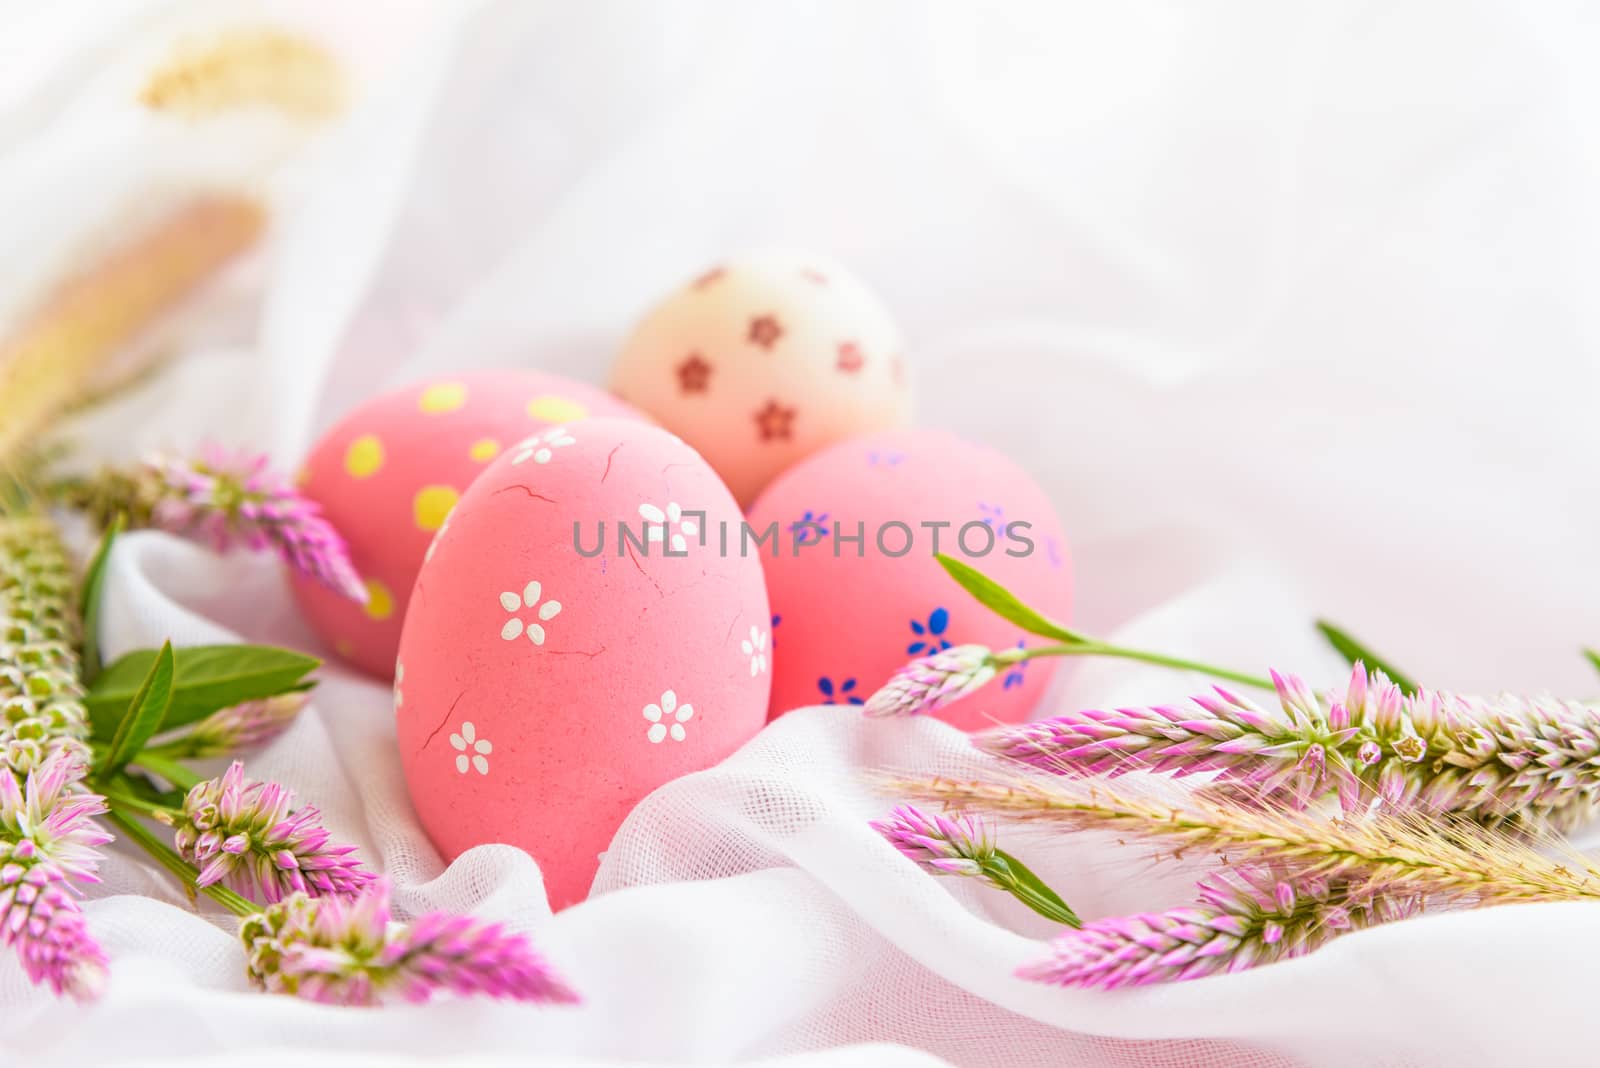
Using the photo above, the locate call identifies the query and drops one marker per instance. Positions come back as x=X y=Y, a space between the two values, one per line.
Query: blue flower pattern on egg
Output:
x=930 y=635
x=809 y=528
x=776 y=619
x=1052 y=549
x=842 y=694
x=885 y=458
x=993 y=515
x=1016 y=674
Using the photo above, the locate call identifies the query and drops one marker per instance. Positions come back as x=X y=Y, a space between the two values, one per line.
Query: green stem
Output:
x=1095 y=648
x=158 y=763
x=169 y=859
x=137 y=804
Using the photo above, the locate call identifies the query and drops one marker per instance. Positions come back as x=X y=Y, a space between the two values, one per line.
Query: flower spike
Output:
x=345 y=951
x=244 y=834
x=1528 y=761
x=931 y=682
x=225 y=499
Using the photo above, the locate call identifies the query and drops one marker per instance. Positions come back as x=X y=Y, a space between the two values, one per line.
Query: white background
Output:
x=1290 y=307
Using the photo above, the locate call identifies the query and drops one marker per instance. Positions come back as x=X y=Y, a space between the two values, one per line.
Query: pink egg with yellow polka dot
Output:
x=848 y=543
x=763 y=360
x=388 y=475
x=578 y=638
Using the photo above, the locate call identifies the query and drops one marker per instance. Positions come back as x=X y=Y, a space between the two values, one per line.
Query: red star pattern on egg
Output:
x=778 y=334
x=765 y=330
x=774 y=422
x=694 y=374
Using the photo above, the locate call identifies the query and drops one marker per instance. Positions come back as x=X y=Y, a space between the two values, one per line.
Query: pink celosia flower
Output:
x=1245 y=918
x=931 y=682
x=1525 y=760
x=229 y=498
x=59 y=822
x=43 y=923
x=247 y=835
x=958 y=844
x=47 y=840
x=945 y=844
x=345 y=951
x=242 y=726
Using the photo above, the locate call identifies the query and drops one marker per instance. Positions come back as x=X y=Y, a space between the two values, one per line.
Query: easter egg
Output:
x=762 y=361
x=848 y=542
x=388 y=475
x=576 y=639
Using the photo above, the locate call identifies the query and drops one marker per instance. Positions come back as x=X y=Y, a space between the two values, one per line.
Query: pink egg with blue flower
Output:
x=847 y=539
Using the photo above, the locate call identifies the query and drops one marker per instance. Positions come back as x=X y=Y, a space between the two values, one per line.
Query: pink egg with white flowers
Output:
x=856 y=592
x=765 y=359
x=389 y=473
x=577 y=638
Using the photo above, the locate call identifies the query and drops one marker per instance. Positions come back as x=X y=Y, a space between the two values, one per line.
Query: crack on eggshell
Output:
x=448 y=713
x=524 y=489
x=609 y=457
x=642 y=571
x=575 y=652
x=669 y=467
x=734 y=622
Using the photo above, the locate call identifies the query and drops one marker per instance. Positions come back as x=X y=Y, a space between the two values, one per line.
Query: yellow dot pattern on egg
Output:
x=484 y=450
x=380 y=602
x=442 y=397
x=554 y=409
x=364 y=456
x=432 y=505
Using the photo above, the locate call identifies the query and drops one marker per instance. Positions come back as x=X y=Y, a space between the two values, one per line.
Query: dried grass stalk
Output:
x=1387 y=852
x=48 y=362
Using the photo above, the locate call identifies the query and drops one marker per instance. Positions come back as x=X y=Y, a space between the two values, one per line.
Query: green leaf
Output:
x=1593 y=658
x=208 y=677
x=1004 y=603
x=1033 y=891
x=144 y=716
x=1353 y=650
x=94 y=581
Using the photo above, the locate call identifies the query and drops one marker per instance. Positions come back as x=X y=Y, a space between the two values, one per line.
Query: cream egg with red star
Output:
x=765 y=359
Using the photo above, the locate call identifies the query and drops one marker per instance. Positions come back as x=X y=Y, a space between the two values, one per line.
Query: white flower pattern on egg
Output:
x=658 y=523
x=467 y=742
x=514 y=627
x=667 y=718
x=399 y=680
x=539 y=448
x=755 y=647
